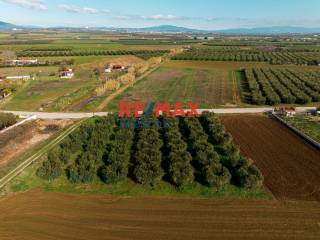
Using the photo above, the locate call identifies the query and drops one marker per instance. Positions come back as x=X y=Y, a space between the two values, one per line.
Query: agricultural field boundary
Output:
x=235 y=93
x=15 y=172
x=298 y=132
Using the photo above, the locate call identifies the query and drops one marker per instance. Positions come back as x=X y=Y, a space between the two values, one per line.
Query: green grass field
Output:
x=308 y=125
x=43 y=92
x=195 y=82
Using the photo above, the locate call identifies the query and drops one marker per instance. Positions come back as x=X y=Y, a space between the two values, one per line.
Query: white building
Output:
x=27 y=77
x=108 y=70
x=67 y=74
x=114 y=67
x=22 y=62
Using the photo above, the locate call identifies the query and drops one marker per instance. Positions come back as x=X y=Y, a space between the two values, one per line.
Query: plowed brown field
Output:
x=290 y=165
x=50 y=216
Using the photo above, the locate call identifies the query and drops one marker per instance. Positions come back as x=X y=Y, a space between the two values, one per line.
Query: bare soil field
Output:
x=290 y=165
x=15 y=142
x=46 y=216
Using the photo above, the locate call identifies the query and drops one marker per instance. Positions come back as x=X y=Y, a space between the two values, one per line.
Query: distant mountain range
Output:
x=168 y=29
x=6 y=26
x=271 y=30
x=174 y=29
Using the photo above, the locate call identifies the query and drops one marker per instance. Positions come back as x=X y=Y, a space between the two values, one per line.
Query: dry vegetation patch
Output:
x=15 y=142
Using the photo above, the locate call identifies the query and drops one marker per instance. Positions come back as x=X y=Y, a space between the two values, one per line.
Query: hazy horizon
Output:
x=202 y=14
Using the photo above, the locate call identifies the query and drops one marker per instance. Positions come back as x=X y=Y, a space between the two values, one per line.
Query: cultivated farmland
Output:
x=290 y=165
x=42 y=215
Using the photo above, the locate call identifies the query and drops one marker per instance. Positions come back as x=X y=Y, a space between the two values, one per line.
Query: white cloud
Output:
x=90 y=10
x=68 y=8
x=76 y=9
x=161 y=17
x=34 y=4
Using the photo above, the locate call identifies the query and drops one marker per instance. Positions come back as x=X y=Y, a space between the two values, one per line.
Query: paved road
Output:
x=78 y=115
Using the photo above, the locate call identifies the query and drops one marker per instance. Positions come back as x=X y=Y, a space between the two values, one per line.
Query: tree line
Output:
x=89 y=53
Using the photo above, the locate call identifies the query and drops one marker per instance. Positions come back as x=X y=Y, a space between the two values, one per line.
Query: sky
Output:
x=200 y=14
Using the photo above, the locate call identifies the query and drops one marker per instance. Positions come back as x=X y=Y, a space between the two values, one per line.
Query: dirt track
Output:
x=290 y=165
x=36 y=215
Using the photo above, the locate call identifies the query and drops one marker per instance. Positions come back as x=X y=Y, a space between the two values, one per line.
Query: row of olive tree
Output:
x=206 y=161
x=148 y=157
x=178 y=160
x=116 y=167
x=244 y=173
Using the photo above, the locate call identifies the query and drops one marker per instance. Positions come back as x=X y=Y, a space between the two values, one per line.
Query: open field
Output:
x=209 y=86
x=43 y=92
x=290 y=165
x=38 y=215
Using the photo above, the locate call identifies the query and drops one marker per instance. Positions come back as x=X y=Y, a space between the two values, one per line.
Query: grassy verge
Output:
x=29 y=180
x=308 y=125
